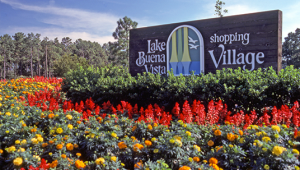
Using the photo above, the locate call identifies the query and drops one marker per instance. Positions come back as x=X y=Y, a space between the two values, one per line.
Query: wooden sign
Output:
x=249 y=41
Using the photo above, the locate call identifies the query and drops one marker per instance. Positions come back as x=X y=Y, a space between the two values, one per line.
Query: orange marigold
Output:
x=137 y=147
x=138 y=165
x=51 y=141
x=63 y=155
x=230 y=136
x=217 y=132
x=69 y=146
x=54 y=164
x=79 y=164
x=213 y=160
x=59 y=146
x=210 y=143
x=150 y=127
x=196 y=159
x=133 y=128
x=148 y=143
x=122 y=145
x=33 y=130
x=241 y=132
x=76 y=146
x=184 y=168
x=50 y=116
x=44 y=145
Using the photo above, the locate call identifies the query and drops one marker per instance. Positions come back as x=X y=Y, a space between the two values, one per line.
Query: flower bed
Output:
x=41 y=131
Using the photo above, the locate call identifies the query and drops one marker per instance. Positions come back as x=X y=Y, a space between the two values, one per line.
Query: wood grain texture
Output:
x=265 y=29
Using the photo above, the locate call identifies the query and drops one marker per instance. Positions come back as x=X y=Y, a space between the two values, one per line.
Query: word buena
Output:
x=230 y=58
x=151 y=57
x=230 y=38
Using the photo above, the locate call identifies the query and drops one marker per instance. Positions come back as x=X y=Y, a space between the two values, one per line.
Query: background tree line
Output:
x=31 y=55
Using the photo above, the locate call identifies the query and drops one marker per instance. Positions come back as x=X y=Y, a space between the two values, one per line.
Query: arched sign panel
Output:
x=185 y=51
x=249 y=41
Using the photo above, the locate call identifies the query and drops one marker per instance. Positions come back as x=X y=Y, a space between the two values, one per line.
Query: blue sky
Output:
x=96 y=20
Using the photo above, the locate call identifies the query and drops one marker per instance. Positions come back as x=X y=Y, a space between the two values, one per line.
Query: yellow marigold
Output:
x=150 y=127
x=18 y=161
x=172 y=141
x=34 y=141
x=213 y=160
x=79 y=164
x=241 y=132
x=265 y=149
x=266 y=139
x=133 y=128
x=100 y=161
x=8 y=113
x=70 y=126
x=54 y=164
x=155 y=150
x=40 y=139
x=178 y=142
x=196 y=159
x=17 y=142
x=196 y=147
x=190 y=159
x=137 y=147
x=184 y=168
x=153 y=139
x=63 y=155
x=122 y=145
x=114 y=135
x=188 y=133
x=69 y=117
x=177 y=137
x=69 y=146
x=155 y=124
x=210 y=143
x=295 y=151
x=59 y=130
x=266 y=167
x=23 y=142
x=217 y=132
x=59 y=146
x=113 y=158
x=278 y=150
x=148 y=143
x=242 y=140
x=230 y=137
x=275 y=128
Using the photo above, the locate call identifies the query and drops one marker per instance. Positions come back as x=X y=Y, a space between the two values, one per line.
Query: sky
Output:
x=96 y=20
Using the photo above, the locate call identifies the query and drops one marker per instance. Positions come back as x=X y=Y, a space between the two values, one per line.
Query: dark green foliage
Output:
x=67 y=62
x=246 y=90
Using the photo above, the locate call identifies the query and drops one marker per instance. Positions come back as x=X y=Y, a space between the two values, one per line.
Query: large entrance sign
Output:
x=249 y=41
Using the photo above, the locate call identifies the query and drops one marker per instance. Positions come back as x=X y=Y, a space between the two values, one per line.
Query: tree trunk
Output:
x=4 y=66
x=31 y=63
x=46 y=64
x=39 y=62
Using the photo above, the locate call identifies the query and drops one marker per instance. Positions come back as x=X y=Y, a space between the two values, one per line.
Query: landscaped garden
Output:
x=106 y=119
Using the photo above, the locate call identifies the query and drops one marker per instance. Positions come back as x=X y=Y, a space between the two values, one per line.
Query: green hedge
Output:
x=240 y=89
